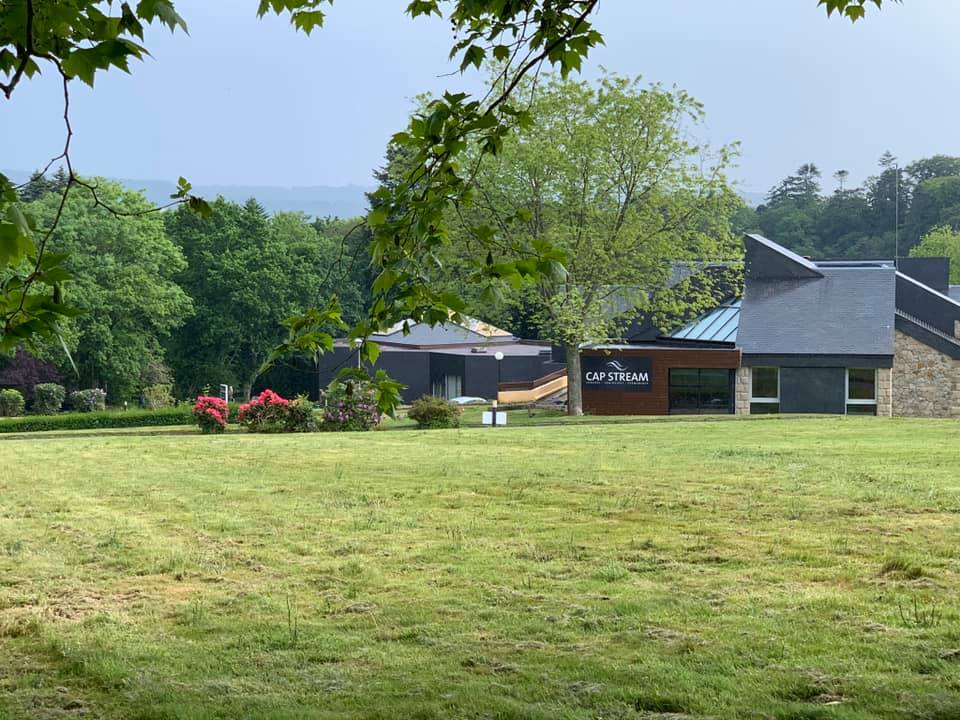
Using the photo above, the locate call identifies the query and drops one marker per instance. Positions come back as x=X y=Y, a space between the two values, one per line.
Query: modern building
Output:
x=449 y=360
x=851 y=337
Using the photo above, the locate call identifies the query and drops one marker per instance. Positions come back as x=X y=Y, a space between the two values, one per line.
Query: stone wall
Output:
x=742 y=392
x=884 y=392
x=926 y=383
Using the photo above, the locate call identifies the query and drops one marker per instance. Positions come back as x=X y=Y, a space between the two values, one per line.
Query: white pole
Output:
x=896 y=215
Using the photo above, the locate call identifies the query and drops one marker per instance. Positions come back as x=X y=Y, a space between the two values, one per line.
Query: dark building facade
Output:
x=448 y=360
x=874 y=337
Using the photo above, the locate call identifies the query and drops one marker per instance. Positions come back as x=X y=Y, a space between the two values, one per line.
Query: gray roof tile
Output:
x=848 y=310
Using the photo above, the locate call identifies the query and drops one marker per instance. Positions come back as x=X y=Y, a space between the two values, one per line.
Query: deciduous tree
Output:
x=123 y=271
x=608 y=182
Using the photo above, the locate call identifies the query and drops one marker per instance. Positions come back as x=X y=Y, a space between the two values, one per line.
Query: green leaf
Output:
x=378 y=216
x=474 y=55
x=307 y=20
x=370 y=351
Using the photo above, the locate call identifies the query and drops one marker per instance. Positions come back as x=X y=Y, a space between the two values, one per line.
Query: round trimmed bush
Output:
x=48 y=398
x=92 y=400
x=433 y=413
x=158 y=396
x=211 y=414
x=11 y=403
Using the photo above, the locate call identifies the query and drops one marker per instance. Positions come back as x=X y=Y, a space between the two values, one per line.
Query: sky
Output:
x=251 y=102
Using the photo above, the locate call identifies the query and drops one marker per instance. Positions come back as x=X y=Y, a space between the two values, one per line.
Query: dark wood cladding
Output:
x=657 y=400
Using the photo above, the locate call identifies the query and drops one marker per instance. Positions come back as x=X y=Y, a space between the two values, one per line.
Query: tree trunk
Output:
x=574 y=387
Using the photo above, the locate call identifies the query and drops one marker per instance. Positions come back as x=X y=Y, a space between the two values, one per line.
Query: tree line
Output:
x=176 y=298
x=889 y=214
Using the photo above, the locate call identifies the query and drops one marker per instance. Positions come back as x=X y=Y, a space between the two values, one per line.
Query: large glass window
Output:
x=700 y=392
x=764 y=390
x=448 y=387
x=861 y=391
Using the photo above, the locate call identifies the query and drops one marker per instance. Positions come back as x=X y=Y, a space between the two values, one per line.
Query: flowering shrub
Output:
x=265 y=413
x=92 y=400
x=211 y=414
x=351 y=405
x=268 y=412
x=48 y=398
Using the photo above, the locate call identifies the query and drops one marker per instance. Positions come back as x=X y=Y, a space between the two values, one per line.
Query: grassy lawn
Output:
x=764 y=569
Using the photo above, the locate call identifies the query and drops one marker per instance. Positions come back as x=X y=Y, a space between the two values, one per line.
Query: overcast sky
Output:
x=247 y=101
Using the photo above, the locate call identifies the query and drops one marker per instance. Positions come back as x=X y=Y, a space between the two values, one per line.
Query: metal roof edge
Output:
x=927 y=288
x=786 y=253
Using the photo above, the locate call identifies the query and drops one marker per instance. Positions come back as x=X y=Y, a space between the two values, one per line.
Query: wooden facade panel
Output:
x=657 y=400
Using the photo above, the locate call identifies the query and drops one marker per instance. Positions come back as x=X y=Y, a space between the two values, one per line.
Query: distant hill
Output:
x=345 y=201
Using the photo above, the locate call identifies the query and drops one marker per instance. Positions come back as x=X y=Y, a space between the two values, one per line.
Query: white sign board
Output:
x=488 y=418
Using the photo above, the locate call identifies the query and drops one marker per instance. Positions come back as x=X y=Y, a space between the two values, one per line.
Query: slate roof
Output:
x=472 y=331
x=792 y=306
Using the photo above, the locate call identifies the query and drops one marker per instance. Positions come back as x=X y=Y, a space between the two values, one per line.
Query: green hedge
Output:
x=182 y=415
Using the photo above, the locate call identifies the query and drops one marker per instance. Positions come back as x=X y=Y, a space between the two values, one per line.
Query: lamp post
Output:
x=499 y=356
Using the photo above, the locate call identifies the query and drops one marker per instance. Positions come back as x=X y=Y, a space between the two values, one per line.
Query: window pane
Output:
x=861 y=409
x=861 y=384
x=715 y=399
x=684 y=400
x=766 y=382
x=715 y=378
x=684 y=376
x=764 y=408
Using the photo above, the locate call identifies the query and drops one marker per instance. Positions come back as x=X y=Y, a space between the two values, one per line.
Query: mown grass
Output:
x=776 y=569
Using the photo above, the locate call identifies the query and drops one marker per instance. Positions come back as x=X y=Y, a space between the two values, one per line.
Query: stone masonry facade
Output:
x=741 y=401
x=926 y=382
x=884 y=392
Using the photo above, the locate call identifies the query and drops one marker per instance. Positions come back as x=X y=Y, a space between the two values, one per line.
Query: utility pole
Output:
x=896 y=215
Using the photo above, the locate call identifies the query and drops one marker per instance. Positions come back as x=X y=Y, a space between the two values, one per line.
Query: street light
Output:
x=499 y=356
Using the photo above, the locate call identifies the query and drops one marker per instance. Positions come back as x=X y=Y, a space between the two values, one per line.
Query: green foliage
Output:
x=123 y=271
x=157 y=396
x=616 y=190
x=266 y=412
x=431 y=412
x=85 y=401
x=31 y=282
x=99 y=420
x=300 y=416
x=246 y=272
x=48 y=398
x=852 y=9
x=269 y=413
x=81 y=38
x=11 y=403
x=351 y=403
x=861 y=222
x=942 y=241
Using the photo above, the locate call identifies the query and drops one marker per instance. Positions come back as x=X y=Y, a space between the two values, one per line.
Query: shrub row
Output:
x=182 y=415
